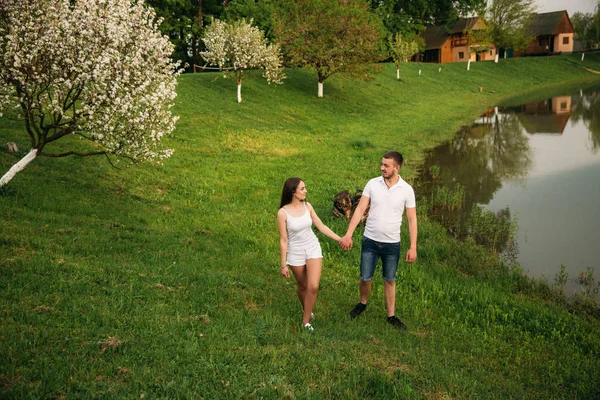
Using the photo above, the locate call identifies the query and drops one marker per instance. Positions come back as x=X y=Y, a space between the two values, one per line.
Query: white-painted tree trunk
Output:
x=505 y=53
x=398 y=73
x=582 y=56
x=496 y=58
x=18 y=167
x=320 y=90
x=469 y=65
x=419 y=72
x=240 y=92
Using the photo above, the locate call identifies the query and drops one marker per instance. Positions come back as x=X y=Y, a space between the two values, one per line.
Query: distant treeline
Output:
x=184 y=20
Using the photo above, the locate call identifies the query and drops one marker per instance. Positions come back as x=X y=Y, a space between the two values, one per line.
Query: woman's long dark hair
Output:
x=289 y=187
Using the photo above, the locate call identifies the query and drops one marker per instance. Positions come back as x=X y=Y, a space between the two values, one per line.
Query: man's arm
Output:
x=359 y=211
x=411 y=216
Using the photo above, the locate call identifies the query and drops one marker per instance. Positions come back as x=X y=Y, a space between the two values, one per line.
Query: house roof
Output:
x=545 y=23
x=465 y=24
x=434 y=37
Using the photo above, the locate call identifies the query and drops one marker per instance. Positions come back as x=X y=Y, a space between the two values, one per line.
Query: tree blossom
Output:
x=239 y=47
x=98 y=69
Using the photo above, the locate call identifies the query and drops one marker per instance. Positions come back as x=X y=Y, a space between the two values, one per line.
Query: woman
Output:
x=299 y=246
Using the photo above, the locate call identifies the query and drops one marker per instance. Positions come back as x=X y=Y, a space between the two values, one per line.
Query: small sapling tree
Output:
x=331 y=36
x=97 y=69
x=509 y=22
x=237 y=48
x=401 y=50
x=478 y=41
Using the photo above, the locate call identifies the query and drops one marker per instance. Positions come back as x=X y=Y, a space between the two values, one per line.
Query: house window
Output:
x=563 y=105
x=491 y=53
x=566 y=40
x=461 y=55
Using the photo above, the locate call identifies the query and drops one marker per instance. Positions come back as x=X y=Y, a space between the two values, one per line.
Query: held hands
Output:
x=285 y=271
x=346 y=242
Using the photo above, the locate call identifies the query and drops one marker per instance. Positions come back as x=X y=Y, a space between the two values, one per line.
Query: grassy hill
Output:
x=163 y=281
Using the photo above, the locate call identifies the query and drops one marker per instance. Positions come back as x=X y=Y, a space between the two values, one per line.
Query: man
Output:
x=388 y=195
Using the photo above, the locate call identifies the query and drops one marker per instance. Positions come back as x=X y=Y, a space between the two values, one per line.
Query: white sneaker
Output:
x=308 y=327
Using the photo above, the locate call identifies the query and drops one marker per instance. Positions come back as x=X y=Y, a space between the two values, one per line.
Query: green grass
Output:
x=163 y=281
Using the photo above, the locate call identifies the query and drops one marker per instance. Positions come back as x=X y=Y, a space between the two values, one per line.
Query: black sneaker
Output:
x=356 y=311
x=396 y=323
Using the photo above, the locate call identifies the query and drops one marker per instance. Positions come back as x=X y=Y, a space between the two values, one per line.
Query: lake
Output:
x=539 y=164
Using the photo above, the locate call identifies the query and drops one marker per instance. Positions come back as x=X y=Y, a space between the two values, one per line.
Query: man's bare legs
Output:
x=389 y=289
x=365 y=291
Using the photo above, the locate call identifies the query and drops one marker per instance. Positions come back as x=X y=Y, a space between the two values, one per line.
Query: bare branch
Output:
x=71 y=153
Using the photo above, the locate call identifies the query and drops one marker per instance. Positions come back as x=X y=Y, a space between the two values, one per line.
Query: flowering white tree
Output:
x=239 y=47
x=98 y=69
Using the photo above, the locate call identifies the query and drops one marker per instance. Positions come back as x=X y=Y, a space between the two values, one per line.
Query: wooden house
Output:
x=437 y=45
x=454 y=46
x=554 y=34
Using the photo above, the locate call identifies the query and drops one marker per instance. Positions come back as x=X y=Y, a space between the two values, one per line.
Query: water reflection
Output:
x=475 y=163
x=538 y=161
x=587 y=110
x=547 y=116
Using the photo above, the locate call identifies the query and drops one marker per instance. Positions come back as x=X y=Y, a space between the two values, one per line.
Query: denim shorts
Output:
x=371 y=251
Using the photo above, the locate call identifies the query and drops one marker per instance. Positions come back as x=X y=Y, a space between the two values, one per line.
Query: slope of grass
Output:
x=162 y=281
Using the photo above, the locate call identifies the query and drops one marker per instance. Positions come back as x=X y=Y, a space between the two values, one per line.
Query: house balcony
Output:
x=459 y=42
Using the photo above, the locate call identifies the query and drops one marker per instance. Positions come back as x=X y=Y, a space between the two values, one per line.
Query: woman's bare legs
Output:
x=300 y=275
x=313 y=277
x=308 y=278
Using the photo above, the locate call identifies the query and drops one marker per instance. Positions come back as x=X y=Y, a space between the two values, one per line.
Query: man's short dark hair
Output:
x=394 y=155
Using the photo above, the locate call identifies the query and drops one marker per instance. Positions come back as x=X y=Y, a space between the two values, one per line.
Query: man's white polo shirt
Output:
x=387 y=207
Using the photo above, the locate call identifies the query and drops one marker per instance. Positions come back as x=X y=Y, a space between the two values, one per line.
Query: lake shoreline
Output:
x=511 y=163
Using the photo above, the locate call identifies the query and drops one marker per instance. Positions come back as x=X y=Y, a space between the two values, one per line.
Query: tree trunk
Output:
x=239 y=92
x=398 y=73
x=469 y=65
x=582 y=56
x=320 y=90
x=200 y=16
x=496 y=58
x=18 y=167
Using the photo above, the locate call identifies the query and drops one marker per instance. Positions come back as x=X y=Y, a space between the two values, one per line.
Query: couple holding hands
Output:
x=388 y=196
